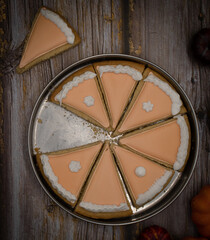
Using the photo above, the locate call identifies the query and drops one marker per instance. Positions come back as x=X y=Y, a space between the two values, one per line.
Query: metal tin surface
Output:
x=62 y=128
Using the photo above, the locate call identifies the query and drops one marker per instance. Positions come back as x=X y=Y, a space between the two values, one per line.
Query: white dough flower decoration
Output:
x=74 y=166
x=89 y=101
x=148 y=106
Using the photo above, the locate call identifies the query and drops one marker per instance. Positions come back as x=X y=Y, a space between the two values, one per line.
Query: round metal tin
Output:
x=179 y=180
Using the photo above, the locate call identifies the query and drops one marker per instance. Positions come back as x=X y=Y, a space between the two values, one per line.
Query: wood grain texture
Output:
x=159 y=31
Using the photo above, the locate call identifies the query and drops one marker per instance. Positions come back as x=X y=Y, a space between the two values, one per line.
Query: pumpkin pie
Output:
x=118 y=80
x=50 y=34
x=167 y=142
x=154 y=99
x=147 y=139
x=144 y=179
x=80 y=94
x=67 y=170
x=104 y=196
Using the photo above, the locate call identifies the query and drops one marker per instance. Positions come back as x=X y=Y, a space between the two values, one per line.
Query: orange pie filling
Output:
x=68 y=171
x=104 y=192
x=156 y=100
x=49 y=32
x=82 y=94
x=145 y=178
x=118 y=83
x=168 y=143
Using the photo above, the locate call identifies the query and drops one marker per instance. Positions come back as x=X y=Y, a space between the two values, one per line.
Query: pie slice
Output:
x=104 y=196
x=167 y=142
x=154 y=99
x=118 y=80
x=50 y=34
x=144 y=179
x=80 y=94
x=66 y=171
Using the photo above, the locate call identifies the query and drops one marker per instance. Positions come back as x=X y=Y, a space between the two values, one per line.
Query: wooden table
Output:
x=157 y=30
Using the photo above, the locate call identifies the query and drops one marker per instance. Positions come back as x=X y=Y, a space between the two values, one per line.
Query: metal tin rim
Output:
x=177 y=190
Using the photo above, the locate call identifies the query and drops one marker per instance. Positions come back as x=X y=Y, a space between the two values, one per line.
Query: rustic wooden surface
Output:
x=157 y=30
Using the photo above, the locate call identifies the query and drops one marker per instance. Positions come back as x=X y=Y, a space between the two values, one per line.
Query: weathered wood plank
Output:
x=45 y=220
x=163 y=35
x=3 y=42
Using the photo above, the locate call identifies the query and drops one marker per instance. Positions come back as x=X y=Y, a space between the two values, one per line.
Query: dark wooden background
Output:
x=157 y=30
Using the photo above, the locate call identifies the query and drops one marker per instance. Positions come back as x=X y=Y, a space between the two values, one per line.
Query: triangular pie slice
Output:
x=104 y=196
x=80 y=94
x=66 y=171
x=50 y=34
x=144 y=179
x=118 y=80
x=167 y=142
x=154 y=99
